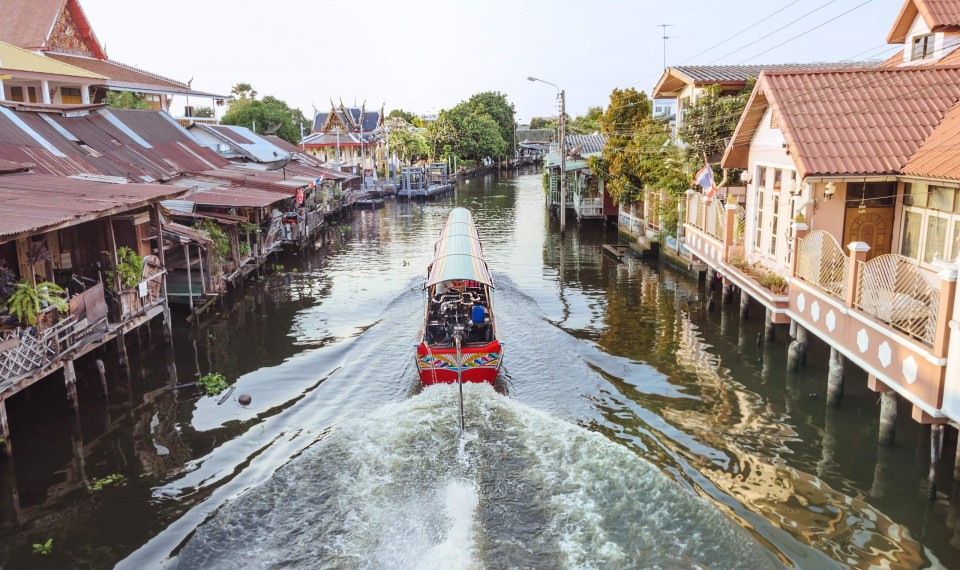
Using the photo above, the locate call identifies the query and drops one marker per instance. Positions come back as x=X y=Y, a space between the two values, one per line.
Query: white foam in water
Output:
x=403 y=489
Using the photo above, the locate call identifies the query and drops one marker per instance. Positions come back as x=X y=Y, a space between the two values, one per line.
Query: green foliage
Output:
x=112 y=479
x=279 y=268
x=406 y=140
x=45 y=548
x=129 y=266
x=221 y=242
x=203 y=112
x=247 y=228
x=27 y=301
x=243 y=91
x=710 y=122
x=125 y=100
x=213 y=384
x=543 y=123
x=478 y=128
x=263 y=114
x=589 y=123
x=244 y=248
x=403 y=116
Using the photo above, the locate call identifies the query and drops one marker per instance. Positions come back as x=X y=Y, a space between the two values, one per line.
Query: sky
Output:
x=427 y=55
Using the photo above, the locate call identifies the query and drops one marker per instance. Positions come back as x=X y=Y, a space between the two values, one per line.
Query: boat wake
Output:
x=402 y=488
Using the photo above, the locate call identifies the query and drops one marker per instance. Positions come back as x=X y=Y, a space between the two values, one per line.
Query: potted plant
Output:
x=130 y=270
x=28 y=302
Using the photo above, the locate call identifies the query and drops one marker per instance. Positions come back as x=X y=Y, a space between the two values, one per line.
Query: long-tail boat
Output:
x=458 y=340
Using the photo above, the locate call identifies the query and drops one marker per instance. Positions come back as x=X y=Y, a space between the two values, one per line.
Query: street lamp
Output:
x=561 y=94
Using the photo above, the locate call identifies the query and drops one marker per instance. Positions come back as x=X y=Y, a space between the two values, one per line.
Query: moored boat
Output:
x=459 y=332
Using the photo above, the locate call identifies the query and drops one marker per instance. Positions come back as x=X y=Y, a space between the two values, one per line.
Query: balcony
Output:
x=887 y=315
x=187 y=121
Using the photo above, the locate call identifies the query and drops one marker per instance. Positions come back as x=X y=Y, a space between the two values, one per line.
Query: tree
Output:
x=710 y=122
x=495 y=105
x=543 y=123
x=243 y=91
x=589 y=123
x=480 y=138
x=405 y=140
x=267 y=113
x=125 y=100
x=203 y=112
x=404 y=115
x=626 y=124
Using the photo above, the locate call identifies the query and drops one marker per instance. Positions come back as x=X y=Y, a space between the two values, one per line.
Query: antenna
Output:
x=665 y=38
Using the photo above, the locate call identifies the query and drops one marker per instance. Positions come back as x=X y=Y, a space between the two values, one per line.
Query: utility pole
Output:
x=665 y=38
x=563 y=162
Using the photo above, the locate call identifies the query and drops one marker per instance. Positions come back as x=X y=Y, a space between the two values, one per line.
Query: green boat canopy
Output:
x=458 y=254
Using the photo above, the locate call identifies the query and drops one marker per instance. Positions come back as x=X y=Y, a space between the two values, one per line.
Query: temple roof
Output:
x=13 y=58
x=48 y=25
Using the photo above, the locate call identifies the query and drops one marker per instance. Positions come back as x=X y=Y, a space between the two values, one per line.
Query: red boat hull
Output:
x=439 y=366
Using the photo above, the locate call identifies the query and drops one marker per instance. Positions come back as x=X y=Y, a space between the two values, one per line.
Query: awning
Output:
x=458 y=253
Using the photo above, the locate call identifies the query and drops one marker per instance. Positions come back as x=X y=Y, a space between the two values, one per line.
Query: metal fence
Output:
x=821 y=262
x=894 y=289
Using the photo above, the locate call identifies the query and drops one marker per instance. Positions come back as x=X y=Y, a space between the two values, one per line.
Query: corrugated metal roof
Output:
x=123 y=76
x=856 y=122
x=939 y=155
x=236 y=197
x=244 y=141
x=7 y=166
x=585 y=144
x=343 y=139
x=740 y=73
x=13 y=58
x=32 y=202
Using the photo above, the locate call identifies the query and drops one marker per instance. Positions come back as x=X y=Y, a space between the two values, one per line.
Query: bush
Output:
x=27 y=301
x=213 y=383
x=129 y=266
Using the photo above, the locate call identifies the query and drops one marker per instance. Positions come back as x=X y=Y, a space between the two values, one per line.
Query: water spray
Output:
x=457 y=338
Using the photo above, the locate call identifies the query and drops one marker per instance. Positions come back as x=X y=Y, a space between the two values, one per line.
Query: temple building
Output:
x=339 y=135
x=59 y=31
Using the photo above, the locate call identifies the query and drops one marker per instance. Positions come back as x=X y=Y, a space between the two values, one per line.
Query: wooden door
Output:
x=874 y=227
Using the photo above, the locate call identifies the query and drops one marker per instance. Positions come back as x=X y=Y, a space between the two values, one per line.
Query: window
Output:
x=16 y=94
x=775 y=216
x=931 y=223
x=872 y=194
x=777 y=179
x=658 y=110
x=761 y=182
x=922 y=47
x=32 y=94
x=153 y=101
x=70 y=96
x=910 y=242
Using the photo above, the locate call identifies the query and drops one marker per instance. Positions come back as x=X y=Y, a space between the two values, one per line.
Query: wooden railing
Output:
x=740 y=227
x=187 y=121
x=893 y=289
x=146 y=294
x=821 y=262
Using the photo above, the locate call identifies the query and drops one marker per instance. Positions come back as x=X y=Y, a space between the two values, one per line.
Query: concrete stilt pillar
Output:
x=727 y=291
x=6 y=448
x=835 y=378
x=888 y=417
x=936 y=440
x=797 y=351
x=744 y=305
x=768 y=326
x=956 y=461
x=70 y=382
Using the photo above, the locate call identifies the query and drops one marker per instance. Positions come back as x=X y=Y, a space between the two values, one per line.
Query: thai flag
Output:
x=705 y=179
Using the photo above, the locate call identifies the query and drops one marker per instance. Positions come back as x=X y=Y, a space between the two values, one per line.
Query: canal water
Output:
x=631 y=426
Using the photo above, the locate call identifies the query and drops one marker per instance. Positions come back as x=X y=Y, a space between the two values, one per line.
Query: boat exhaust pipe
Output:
x=456 y=340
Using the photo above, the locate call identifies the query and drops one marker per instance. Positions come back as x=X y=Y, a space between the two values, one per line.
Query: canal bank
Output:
x=628 y=351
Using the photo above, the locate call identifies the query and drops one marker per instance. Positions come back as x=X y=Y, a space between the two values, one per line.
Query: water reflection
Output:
x=628 y=350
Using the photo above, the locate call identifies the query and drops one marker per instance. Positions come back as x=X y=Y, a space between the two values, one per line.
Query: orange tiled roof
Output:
x=939 y=155
x=937 y=14
x=849 y=122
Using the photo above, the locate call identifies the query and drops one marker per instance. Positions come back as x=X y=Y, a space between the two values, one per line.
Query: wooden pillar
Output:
x=769 y=330
x=70 y=382
x=744 y=305
x=835 y=378
x=167 y=323
x=186 y=255
x=956 y=458
x=936 y=441
x=121 y=342
x=102 y=371
x=113 y=254
x=6 y=448
x=203 y=279
x=730 y=211
x=858 y=255
x=797 y=351
x=727 y=292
